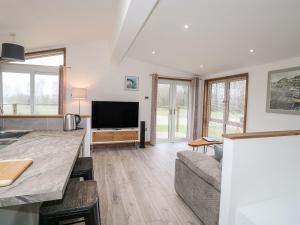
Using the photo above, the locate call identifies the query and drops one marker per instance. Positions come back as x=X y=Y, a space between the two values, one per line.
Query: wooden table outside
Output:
x=201 y=142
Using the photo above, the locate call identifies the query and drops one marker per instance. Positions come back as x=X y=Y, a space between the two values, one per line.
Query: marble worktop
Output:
x=54 y=154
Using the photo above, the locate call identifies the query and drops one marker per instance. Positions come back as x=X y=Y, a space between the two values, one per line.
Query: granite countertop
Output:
x=54 y=154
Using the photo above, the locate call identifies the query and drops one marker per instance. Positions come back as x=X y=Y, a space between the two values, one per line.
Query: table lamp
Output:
x=79 y=94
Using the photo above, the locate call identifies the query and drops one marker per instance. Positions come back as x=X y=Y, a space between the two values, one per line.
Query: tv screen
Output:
x=107 y=114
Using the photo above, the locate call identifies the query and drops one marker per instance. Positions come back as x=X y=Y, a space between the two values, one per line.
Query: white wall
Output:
x=91 y=68
x=257 y=118
x=256 y=170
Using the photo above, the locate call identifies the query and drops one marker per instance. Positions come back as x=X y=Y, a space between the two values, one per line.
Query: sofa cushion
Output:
x=218 y=152
x=220 y=164
x=203 y=165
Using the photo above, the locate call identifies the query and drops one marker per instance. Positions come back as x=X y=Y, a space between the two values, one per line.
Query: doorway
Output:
x=173 y=110
x=225 y=107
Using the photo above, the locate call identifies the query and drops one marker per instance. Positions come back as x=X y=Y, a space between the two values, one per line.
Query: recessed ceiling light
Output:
x=201 y=66
x=251 y=50
x=186 y=26
x=153 y=52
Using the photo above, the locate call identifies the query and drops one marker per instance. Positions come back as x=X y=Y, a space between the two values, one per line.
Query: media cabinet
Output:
x=110 y=136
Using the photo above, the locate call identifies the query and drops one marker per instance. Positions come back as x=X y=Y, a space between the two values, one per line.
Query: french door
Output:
x=226 y=106
x=173 y=110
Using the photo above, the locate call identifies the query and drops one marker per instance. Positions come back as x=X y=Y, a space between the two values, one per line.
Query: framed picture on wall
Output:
x=284 y=91
x=131 y=83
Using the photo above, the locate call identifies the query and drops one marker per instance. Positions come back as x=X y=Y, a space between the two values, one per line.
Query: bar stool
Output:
x=83 y=168
x=80 y=201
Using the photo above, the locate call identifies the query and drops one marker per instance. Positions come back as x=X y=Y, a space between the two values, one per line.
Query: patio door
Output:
x=173 y=110
x=226 y=106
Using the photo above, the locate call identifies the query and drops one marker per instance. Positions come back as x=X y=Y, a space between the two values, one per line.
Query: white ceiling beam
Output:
x=133 y=16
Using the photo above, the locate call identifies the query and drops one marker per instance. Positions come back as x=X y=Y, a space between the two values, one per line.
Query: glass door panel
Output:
x=172 y=114
x=181 y=110
x=216 y=109
x=236 y=106
x=163 y=111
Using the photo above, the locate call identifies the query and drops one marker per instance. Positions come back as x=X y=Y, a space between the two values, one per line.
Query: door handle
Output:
x=172 y=111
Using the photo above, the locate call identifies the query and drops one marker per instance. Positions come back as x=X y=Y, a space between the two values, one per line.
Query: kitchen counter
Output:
x=54 y=154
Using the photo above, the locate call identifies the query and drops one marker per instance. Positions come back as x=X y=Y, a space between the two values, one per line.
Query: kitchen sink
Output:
x=9 y=135
x=12 y=134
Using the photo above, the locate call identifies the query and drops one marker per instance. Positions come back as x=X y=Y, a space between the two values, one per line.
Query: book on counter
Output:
x=210 y=139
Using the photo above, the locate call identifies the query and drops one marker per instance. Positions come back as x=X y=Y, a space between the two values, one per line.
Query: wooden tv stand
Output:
x=110 y=136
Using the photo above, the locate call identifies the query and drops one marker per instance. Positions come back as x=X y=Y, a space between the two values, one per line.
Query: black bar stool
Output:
x=83 y=168
x=80 y=201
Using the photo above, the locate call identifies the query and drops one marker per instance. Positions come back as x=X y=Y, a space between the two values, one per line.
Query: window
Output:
x=46 y=94
x=16 y=92
x=226 y=104
x=47 y=60
x=31 y=87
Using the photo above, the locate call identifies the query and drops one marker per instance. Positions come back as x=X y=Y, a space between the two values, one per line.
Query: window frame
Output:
x=31 y=55
x=48 y=52
x=205 y=118
x=32 y=70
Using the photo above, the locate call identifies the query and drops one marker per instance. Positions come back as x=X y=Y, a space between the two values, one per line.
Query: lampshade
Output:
x=12 y=52
x=79 y=93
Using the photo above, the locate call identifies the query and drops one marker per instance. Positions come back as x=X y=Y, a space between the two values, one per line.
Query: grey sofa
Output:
x=198 y=182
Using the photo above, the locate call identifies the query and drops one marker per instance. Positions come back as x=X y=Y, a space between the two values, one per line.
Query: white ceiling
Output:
x=220 y=34
x=43 y=23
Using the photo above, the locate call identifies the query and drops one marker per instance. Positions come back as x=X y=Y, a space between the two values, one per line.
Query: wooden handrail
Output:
x=262 y=134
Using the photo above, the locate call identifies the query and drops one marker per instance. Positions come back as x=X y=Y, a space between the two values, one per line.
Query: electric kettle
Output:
x=71 y=121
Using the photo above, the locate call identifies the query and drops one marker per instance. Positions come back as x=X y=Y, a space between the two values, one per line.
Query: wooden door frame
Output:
x=205 y=99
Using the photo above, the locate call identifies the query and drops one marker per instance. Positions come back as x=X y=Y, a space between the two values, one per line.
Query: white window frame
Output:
x=30 y=69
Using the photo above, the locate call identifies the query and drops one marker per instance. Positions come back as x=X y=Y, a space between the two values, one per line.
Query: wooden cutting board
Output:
x=10 y=170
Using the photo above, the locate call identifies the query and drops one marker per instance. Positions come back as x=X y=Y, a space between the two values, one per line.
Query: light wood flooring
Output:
x=136 y=186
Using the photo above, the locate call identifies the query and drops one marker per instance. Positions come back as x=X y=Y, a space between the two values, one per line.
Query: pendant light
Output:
x=12 y=52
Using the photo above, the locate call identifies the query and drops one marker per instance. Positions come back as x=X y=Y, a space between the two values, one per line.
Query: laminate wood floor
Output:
x=136 y=186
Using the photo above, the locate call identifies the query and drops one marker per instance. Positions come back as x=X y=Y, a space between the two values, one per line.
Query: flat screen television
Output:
x=108 y=114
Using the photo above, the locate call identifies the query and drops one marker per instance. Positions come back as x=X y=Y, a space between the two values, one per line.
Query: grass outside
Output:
x=233 y=116
x=163 y=122
x=215 y=129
